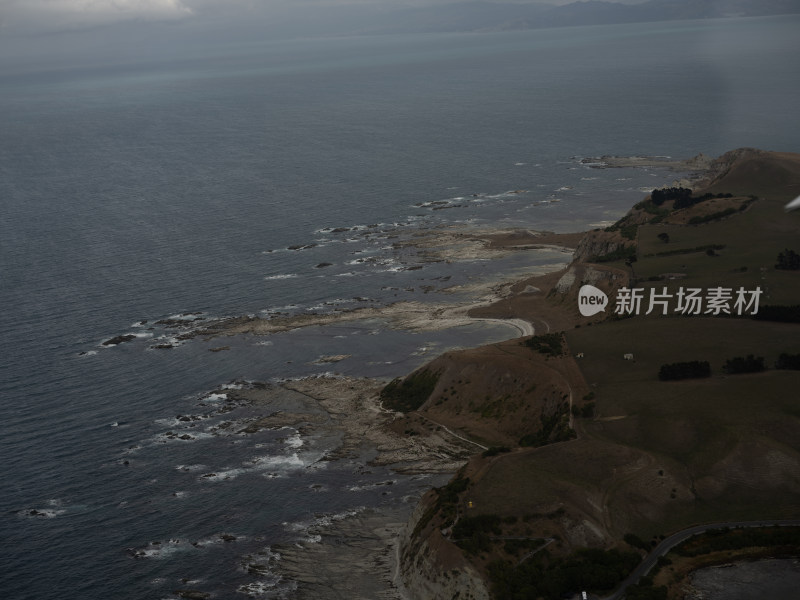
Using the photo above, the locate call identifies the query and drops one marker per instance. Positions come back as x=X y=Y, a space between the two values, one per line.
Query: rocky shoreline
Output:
x=444 y=245
x=359 y=556
x=356 y=558
x=355 y=555
x=366 y=554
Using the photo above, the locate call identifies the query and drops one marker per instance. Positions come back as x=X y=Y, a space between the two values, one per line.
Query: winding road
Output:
x=676 y=538
x=451 y=432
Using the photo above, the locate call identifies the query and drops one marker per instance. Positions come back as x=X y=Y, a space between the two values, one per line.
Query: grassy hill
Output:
x=655 y=456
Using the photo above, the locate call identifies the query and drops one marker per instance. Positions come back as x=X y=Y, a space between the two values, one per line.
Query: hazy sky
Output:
x=42 y=34
x=24 y=16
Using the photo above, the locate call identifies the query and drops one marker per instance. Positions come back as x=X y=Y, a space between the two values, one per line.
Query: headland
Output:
x=573 y=456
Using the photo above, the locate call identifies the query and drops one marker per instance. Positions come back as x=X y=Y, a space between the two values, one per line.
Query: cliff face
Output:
x=431 y=567
x=597 y=243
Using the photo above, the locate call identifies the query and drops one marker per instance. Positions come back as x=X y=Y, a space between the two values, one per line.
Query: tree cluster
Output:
x=549 y=344
x=673 y=193
x=778 y=312
x=586 y=411
x=684 y=370
x=748 y=364
x=788 y=362
x=682 y=196
x=788 y=260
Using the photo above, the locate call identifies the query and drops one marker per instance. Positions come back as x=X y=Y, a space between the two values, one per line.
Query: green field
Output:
x=752 y=241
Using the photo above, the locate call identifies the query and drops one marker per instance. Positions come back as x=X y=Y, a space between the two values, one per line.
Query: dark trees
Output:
x=788 y=260
x=684 y=370
x=748 y=364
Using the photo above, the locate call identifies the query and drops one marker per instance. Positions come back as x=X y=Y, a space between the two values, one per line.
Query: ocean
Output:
x=220 y=186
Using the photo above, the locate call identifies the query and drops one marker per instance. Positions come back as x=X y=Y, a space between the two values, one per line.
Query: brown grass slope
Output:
x=497 y=394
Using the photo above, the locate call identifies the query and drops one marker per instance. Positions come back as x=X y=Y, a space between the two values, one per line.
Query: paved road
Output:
x=676 y=538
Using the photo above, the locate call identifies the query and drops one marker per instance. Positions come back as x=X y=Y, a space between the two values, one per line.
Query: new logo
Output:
x=591 y=300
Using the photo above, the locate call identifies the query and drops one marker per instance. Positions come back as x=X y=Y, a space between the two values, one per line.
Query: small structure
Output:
x=627 y=356
x=579 y=355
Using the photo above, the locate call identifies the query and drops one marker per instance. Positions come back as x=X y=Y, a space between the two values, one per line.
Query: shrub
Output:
x=549 y=344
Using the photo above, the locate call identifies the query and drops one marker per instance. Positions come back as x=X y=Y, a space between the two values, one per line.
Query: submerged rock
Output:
x=120 y=339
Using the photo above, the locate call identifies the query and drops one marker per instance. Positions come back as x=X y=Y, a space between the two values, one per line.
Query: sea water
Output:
x=132 y=194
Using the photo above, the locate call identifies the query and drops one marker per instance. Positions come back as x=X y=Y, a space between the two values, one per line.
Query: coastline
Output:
x=454 y=245
x=359 y=556
x=373 y=539
x=356 y=554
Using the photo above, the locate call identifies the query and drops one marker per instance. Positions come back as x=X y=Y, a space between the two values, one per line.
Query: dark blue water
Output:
x=141 y=192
